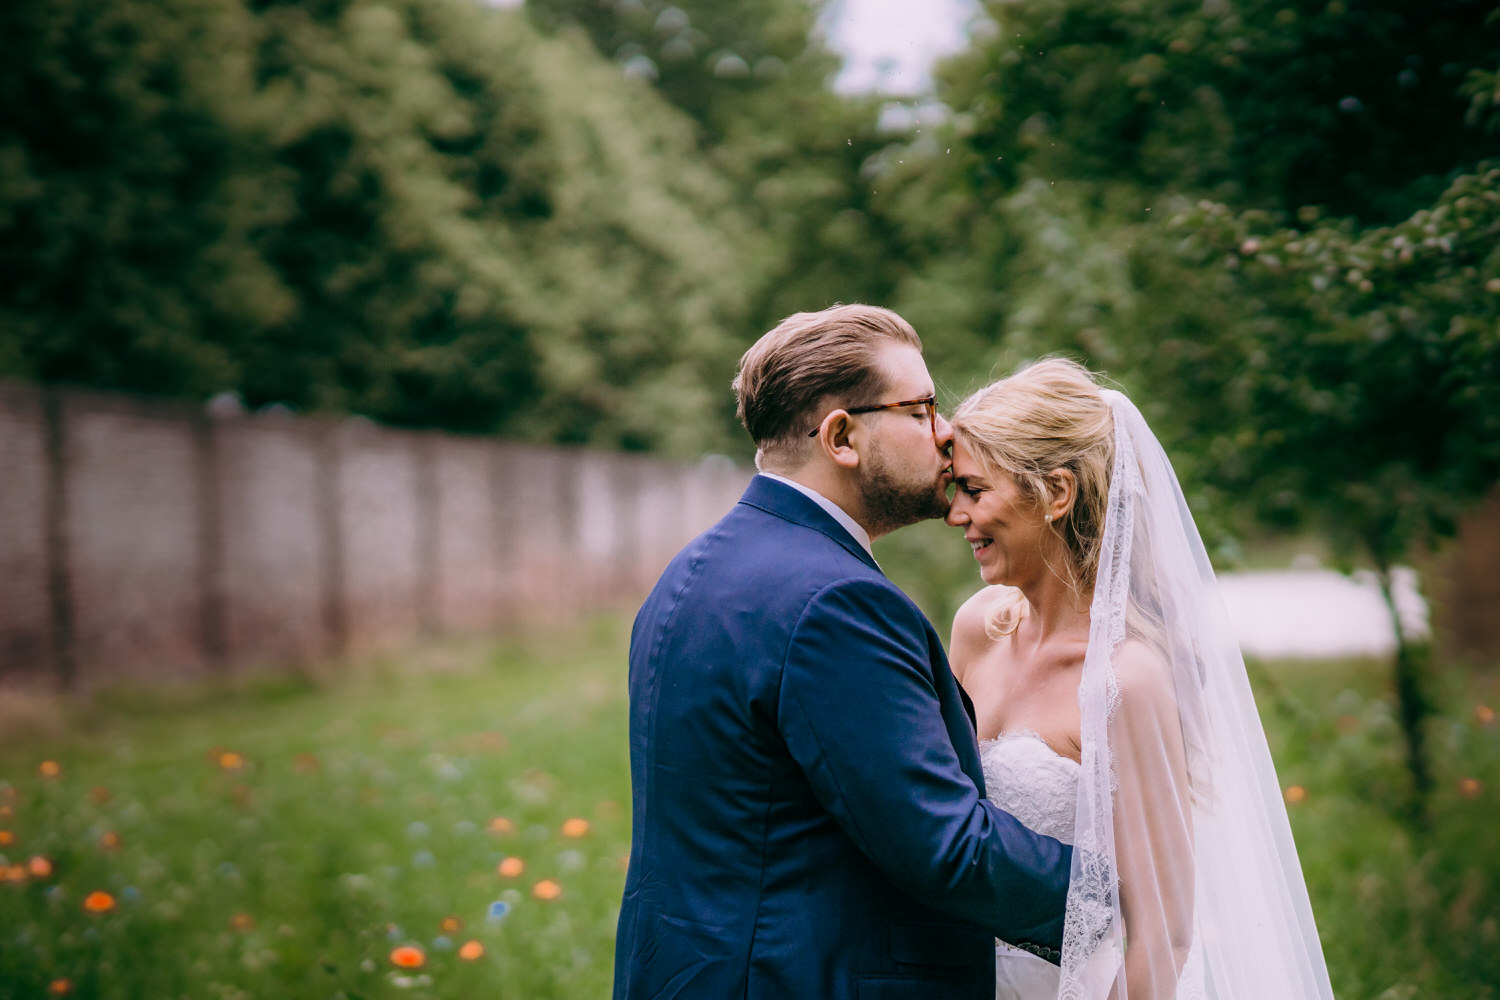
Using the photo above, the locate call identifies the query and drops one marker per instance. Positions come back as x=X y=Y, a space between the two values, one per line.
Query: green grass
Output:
x=359 y=820
x=1406 y=907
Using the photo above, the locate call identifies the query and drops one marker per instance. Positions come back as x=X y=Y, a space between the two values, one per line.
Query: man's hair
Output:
x=810 y=361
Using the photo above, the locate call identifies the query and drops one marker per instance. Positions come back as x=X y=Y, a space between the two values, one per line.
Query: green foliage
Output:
x=129 y=194
x=421 y=211
x=708 y=57
x=756 y=79
x=1353 y=105
x=1335 y=373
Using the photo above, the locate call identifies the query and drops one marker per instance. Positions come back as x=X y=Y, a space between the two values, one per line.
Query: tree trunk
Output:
x=1411 y=701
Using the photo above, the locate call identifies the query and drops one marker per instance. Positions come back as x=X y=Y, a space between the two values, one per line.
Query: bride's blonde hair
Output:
x=1047 y=416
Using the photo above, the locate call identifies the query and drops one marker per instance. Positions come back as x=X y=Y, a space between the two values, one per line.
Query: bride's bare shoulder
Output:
x=976 y=610
x=971 y=635
x=1144 y=676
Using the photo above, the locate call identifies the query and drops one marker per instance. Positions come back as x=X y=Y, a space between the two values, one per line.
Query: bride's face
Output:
x=1006 y=529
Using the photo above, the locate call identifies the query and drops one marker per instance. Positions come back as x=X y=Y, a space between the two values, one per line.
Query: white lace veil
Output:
x=1185 y=877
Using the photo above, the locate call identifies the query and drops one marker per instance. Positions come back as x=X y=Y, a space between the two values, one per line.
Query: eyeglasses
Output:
x=928 y=401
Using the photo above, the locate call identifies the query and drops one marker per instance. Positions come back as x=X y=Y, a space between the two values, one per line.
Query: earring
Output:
x=1048 y=518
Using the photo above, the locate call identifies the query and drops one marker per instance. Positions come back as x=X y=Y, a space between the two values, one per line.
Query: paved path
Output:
x=1319 y=613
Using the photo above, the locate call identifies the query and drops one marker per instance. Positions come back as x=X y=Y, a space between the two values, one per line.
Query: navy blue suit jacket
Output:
x=809 y=817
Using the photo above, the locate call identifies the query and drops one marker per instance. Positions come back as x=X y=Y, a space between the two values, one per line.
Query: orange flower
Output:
x=1470 y=788
x=99 y=902
x=1484 y=715
x=502 y=825
x=408 y=956
x=6 y=812
x=60 y=987
x=242 y=922
x=511 y=867
x=49 y=769
x=231 y=761
x=100 y=795
x=575 y=827
x=451 y=924
x=1295 y=794
x=110 y=841
x=39 y=867
x=12 y=873
x=546 y=889
x=471 y=951
x=7 y=838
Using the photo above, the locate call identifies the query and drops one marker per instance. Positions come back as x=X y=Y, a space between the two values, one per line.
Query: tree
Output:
x=1354 y=106
x=757 y=80
x=131 y=189
x=1274 y=221
x=420 y=211
x=1340 y=377
x=708 y=57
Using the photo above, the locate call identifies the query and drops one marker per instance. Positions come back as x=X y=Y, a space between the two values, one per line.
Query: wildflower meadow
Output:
x=455 y=824
x=450 y=830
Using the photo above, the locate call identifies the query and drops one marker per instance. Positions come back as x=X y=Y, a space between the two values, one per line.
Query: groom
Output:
x=809 y=818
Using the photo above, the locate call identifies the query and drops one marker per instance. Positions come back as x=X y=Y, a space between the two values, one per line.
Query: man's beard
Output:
x=892 y=501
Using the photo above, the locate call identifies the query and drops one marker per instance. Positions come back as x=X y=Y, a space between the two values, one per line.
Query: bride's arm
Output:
x=1152 y=825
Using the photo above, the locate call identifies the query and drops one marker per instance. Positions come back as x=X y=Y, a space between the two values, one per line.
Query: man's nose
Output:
x=942 y=434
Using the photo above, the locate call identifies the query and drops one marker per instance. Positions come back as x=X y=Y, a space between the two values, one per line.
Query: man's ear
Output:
x=836 y=439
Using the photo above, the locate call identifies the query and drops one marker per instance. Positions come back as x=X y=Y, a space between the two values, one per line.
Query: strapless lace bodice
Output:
x=1032 y=782
x=1029 y=780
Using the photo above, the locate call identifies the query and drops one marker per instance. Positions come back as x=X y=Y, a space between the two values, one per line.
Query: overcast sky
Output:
x=891 y=44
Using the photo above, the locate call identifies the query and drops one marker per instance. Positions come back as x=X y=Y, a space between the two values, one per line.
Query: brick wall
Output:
x=141 y=539
x=26 y=611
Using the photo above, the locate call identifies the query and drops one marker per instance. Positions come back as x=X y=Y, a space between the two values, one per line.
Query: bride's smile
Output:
x=1007 y=531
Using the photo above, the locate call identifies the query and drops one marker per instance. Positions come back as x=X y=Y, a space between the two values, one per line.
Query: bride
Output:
x=1113 y=708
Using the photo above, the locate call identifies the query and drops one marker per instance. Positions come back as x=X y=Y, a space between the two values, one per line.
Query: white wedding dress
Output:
x=1039 y=787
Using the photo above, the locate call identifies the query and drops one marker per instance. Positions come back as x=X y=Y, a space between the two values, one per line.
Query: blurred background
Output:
x=349 y=332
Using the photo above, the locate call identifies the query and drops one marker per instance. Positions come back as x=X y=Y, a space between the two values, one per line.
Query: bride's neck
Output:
x=1056 y=610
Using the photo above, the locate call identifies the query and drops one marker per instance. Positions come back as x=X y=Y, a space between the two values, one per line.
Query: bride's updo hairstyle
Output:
x=1047 y=416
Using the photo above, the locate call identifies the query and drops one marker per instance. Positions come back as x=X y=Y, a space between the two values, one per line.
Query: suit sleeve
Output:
x=860 y=714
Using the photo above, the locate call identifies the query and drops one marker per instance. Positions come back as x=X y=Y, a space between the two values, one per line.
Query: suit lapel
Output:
x=968 y=706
